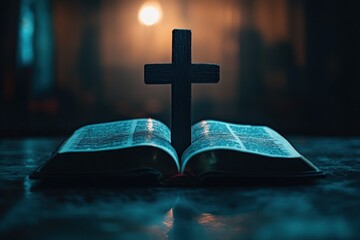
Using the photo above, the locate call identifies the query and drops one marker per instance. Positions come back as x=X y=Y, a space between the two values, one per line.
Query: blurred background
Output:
x=289 y=64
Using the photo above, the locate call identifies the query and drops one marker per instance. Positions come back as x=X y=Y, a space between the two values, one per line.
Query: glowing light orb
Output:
x=150 y=13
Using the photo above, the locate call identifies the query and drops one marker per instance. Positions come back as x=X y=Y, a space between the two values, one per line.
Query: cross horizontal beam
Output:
x=165 y=73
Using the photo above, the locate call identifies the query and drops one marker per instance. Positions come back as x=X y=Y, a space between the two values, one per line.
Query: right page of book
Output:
x=210 y=135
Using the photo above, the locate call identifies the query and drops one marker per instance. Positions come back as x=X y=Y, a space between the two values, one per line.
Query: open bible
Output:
x=140 y=150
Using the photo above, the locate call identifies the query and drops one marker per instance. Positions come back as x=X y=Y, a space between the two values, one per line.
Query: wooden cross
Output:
x=181 y=73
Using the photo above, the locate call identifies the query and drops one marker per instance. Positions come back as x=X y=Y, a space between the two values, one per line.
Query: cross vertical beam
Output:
x=181 y=91
x=181 y=73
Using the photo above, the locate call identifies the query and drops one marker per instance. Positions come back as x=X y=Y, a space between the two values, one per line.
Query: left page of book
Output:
x=120 y=134
x=121 y=148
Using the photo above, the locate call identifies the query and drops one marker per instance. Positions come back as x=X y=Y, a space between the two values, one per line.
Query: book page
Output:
x=120 y=134
x=210 y=135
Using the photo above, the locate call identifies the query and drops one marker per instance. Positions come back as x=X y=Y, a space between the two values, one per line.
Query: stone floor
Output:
x=326 y=209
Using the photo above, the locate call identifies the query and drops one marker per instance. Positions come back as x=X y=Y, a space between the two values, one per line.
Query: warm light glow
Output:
x=150 y=125
x=169 y=219
x=205 y=127
x=211 y=221
x=150 y=13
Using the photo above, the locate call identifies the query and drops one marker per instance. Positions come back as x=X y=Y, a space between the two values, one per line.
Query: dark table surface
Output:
x=326 y=209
